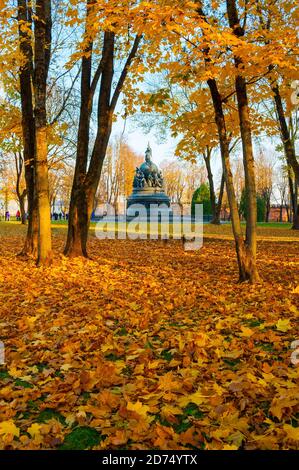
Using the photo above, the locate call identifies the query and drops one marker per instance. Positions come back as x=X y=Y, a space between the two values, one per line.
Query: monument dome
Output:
x=148 y=184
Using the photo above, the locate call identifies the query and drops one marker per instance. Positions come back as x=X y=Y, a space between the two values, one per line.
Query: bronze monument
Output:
x=148 y=185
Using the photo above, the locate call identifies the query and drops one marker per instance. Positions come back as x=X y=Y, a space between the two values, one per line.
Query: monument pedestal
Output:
x=147 y=197
x=149 y=205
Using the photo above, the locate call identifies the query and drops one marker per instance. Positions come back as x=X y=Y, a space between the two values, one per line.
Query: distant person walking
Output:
x=7 y=216
x=18 y=215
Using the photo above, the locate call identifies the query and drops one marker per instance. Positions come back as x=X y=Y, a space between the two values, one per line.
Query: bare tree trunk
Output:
x=288 y=144
x=79 y=220
x=85 y=189
x=21 y=198
x=86 y=180
x=78 y=210
x=207 y=159
x=244 y=255
x=268 y=208
x=295 y=225
x=248 y=160
x=296 y=209
x=22 y=208
x=280 y=212
x=42 y=43
x=28 y=127
x=249 y=171
x=21 y=195
x=219 y=202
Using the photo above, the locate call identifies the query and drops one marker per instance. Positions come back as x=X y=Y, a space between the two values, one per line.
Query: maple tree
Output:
x=28 y=125
x=144 y=345
x=245 y=250
x=237 y=58
x=35 y=37
x=42 y=51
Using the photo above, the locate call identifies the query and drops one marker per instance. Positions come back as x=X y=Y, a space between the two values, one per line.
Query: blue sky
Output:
x=138 y=140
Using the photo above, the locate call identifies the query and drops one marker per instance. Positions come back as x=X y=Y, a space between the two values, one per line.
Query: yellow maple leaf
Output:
x=9 y=428
x=14 y=372
x=279 y=405
x=154 y=364
x=283 y=325
x=107 y=347
x=234 y=354
x=70 y=419
x=198 y=398
x=230 y=447
x=266 y=442
x=34 y=430
x=292 y=433
x=119 y=438
x=246 y=332
x=169 y=410
x=138 y=407
x=66 y=367
x=31 y=320
x=139 y=369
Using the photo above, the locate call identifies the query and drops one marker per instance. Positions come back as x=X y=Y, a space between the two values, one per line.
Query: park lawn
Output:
x=273 y=230
x=146 y=346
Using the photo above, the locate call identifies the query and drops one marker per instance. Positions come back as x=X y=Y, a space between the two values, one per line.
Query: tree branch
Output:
x=65 y=99
x=124 y=72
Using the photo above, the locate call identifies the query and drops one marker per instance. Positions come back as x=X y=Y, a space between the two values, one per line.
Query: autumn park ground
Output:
x=147 y=346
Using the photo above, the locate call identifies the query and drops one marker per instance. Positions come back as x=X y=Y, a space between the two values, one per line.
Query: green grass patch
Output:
x=254 y=323
x=122 y=332
x=166 y=355
x=81 y=438
x=4 y=375
x=233 y=363
x=48 y=414
x=113 y=357
x=23 y=383
x=192 y=410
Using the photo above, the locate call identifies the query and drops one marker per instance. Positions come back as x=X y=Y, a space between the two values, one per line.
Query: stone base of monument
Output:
x=149 y=203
